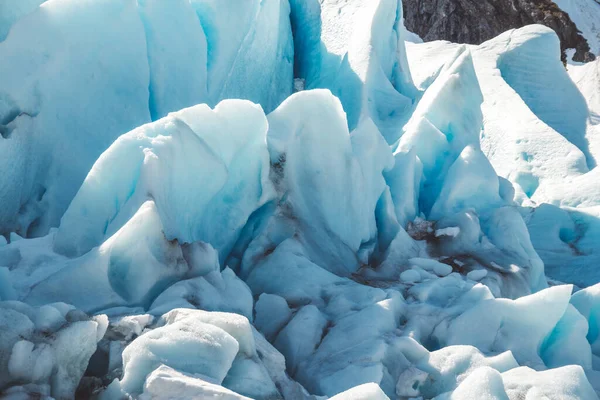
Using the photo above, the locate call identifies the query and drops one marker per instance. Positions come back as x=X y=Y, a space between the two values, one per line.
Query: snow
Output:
x=565 y=383
x=518 y=74
x=452 y=231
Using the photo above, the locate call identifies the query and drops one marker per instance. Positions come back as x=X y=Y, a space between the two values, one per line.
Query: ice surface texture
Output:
x=353 y=240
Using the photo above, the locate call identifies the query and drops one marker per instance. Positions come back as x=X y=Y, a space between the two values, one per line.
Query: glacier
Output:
x=292 y=199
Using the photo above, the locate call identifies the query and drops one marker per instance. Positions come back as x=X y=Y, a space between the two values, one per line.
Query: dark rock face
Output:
x=475 y=21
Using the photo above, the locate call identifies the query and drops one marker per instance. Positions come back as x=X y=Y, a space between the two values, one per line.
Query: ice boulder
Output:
x=37 y=346
x=485 y=383
x=569 y=383
x=356 y=50
x=165 y=383
x=215 y=291
x=216 y=348
x=527 y=327
x=449 y=368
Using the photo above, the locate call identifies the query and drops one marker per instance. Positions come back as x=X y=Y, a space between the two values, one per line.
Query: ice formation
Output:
x=377 y=234
x=62 y=108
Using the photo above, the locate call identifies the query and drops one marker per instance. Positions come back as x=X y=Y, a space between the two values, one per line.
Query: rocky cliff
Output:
x=475 y=21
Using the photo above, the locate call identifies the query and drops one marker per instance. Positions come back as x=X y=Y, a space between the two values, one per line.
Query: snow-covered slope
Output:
x=379 y=235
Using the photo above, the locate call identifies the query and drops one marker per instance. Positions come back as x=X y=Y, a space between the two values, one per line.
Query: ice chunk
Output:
x=471 y=183
x=166 y=383
x=451 y=231
x=521 y=326
x=484 y=383
x=315 y=178
x=72 y=361
x=434 y=266
x=477 y=275
x=450 y=366
x=130 y=326
x=7 y=292
x=569 y=383
x=14 y=327
x=366 y=391
x=218 y=348
x=410 y=276
x=193 y=346
x=301 y=336
x=404 y=181
x=216 y=291
x=272 y=313
x=50 y=358
x=587 y=303
x=359 y=342
x=564 y=345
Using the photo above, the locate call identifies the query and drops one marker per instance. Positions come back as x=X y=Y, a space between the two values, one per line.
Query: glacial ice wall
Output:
x=361 y=239
x=81 y=73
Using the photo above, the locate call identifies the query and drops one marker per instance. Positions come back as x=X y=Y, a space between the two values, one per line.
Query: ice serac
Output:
x=321 y=172
x=356 y=50
x=446 y=120
x=60 y=108
x=206 y=170
x=528 y=149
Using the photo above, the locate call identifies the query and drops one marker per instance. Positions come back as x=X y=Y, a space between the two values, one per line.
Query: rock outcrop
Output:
x=475 y=21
